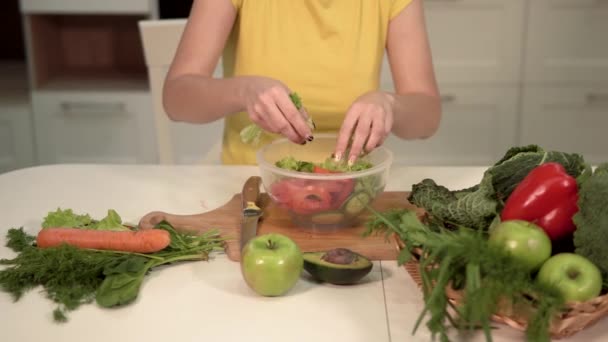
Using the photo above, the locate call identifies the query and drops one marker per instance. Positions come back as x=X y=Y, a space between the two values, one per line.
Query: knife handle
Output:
x=250 y=194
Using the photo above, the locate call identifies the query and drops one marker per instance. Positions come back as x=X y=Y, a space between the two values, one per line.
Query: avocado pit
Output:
x=339 y=266
x=340 y=256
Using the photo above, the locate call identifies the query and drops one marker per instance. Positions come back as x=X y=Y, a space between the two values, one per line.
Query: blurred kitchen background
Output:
x=79 y=84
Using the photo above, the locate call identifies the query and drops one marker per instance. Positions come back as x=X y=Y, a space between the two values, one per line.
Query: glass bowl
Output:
x=321 y=200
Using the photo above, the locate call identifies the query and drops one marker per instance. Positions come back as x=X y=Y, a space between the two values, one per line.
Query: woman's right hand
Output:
x=270 y=107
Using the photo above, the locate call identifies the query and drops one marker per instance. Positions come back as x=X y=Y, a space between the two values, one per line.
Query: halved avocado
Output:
x=339 y=266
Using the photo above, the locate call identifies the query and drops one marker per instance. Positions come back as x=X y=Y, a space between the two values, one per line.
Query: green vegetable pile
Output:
x=291 y=163
x=72 y=276
x=451 y=243
x=477 y=206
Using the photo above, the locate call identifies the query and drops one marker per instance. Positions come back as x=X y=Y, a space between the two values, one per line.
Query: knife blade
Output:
x=251 y=211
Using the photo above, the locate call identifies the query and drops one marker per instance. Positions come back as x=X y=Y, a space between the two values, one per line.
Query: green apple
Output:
x=573 y=275
x=271 y=264
x=525 y=241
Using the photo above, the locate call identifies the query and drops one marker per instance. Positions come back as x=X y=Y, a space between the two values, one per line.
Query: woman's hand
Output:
x=368 y=122
x=270 y=107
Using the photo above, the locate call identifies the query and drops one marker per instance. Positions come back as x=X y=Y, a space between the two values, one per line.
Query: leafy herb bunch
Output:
x=461 y=259
x=72 y=276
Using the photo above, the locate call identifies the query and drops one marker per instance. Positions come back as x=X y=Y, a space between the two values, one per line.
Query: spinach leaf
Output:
x=123 y=281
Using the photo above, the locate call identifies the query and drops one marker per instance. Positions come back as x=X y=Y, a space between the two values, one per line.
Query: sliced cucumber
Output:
x=356 y=203
x=331 y=217
x=368 y=184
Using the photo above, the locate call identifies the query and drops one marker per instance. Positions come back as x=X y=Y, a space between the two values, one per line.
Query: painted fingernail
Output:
x=337 y=156
x=310 y=138
x=351 y=161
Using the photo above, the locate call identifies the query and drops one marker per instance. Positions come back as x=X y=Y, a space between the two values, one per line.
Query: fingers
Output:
x=346 y=132
x=268 y=117
x=274 y=111
x=376 y=136
x=294 y=117
x=364 y=128
x=280 y=124
x=360 y=136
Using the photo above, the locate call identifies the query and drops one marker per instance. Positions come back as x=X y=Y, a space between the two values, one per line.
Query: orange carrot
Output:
x=141 y=241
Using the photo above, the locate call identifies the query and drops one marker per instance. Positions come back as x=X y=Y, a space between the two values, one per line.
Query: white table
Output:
x=209 y=301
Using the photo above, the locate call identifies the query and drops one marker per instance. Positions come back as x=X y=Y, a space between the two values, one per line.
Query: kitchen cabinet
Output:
x=477 y=55
x=16 y=145
x=476 y=41
x=567 y=41
x=567 y=118
x=91 y=101
x=96 y=127
x=510 y=72
x=479 y=124
x=16 y=138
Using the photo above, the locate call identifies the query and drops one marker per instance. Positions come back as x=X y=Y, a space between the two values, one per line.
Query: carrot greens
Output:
x=72 y=276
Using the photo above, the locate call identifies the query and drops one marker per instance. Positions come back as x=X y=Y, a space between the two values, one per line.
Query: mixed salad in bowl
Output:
x=320 y=191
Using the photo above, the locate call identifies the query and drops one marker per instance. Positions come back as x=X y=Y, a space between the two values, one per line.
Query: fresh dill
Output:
x=72 y=276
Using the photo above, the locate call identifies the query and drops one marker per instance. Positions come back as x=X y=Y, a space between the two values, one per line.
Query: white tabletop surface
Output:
x=209 y=301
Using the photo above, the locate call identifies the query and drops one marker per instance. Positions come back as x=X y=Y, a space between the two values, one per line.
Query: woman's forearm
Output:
x=200 y=99
x=415 y=115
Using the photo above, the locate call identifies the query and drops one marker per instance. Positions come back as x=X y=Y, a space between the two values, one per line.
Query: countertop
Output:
x=208 y=300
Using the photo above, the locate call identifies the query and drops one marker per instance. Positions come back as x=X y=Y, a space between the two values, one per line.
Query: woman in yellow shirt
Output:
x=328 y=51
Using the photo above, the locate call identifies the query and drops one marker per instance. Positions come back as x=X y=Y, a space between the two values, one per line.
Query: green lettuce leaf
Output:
x=592 y=219
x=291 y=163
x=474 y=209
x=67 y=218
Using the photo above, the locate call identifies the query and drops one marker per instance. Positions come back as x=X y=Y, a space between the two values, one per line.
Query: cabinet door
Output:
x=197 y=144
x=112 y=127
x=477 y=127
x=567 y=41
x=475 y=41
x=16 y=138
x=567 y=119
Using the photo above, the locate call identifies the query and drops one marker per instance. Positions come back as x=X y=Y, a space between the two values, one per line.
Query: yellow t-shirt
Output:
x=328 y=51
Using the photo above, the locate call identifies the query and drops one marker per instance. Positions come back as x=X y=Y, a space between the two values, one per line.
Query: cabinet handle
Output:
x=76 y=107
x=448 y=98
x=593 y=98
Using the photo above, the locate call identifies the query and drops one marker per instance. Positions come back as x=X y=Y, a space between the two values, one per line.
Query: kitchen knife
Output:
x=251 y=211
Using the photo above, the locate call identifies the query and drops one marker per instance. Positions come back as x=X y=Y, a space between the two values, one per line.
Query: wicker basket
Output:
x=574 y=318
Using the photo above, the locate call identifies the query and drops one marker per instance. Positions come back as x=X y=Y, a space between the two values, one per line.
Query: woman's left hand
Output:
x=368 y=121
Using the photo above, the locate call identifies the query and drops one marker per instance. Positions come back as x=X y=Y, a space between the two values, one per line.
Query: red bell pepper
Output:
x=548 y=197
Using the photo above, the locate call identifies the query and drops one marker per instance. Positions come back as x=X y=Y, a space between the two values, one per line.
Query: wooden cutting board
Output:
x=227 y=219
